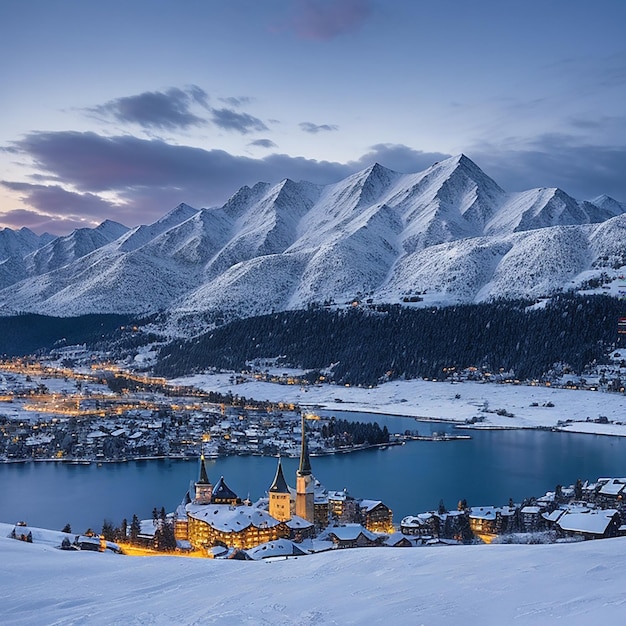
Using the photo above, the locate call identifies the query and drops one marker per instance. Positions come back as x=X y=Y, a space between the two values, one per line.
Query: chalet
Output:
x=530 y=518
x=612 y=491
x=234 y=526
x=418 y=525
x=591 y=524
x=400 y=540
x=350 y=536
x=489 y=521
x=279 y=548
x=377 y=517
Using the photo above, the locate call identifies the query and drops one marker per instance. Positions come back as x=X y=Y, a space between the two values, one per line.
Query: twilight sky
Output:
x=123 y=109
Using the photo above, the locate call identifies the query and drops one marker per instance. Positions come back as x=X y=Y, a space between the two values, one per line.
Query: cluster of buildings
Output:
x=582 y=511
x=212 y=516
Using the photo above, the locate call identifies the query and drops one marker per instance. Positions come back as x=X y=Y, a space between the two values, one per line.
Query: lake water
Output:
x=488 y=469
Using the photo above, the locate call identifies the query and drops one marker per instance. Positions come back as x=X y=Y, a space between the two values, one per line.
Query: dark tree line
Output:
x=343 y=432
x=29 y=333
x=370 y=344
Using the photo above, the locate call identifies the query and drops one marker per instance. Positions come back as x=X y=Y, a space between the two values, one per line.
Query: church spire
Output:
x=204 y=476
x=204 y=488
x=305 y=462
x=280 y=484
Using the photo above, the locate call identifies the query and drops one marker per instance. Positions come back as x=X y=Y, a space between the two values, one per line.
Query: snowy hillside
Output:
x=574 y=584
x=449 y=234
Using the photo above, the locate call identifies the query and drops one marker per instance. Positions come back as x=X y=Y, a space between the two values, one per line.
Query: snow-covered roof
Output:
x=368 y=505
x=227 y=518
x=531 y=509
x=298 y=523
x=395 y=538
x=279 y=547
x=483 y=512
x=595 y=522
x=613 y=487
x=348 y=532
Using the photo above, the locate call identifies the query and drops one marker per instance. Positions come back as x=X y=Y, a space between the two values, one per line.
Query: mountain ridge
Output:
x=446 y=234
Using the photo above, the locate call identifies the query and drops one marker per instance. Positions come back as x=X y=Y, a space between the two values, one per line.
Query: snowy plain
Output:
x=438 y=401
x=573 y=584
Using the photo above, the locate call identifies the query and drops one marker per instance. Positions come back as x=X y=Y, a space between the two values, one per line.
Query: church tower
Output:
x=305 y=496
x=280 y=498
x=204 y=488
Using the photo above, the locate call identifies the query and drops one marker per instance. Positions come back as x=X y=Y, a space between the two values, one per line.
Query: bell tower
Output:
x=204 y=488
x=280 y=498
x=305 y=496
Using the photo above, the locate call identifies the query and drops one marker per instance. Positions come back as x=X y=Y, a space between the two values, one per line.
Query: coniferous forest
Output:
x=365 y=345
x=29 y=333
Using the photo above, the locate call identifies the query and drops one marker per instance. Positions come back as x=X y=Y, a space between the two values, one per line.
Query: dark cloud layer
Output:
x=149 y=176
x=239 y=122
x=583 y=171
x=58 y=201
x=157 y=109
x=263 y=143
x=323 y=20
x=310 y=127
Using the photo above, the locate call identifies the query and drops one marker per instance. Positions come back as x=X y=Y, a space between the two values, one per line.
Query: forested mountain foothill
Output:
x=30 y=333
x=365 y=345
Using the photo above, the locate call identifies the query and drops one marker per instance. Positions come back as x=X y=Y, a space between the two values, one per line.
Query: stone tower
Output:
x=204 y=488
x=305 y=496
x=280 y=498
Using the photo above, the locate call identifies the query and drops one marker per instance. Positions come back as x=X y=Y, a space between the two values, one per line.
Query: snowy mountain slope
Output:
x=611 y=206
x=19 y=243
x=451 y=200
x=539 y=263
x=64 y=250
x=536 y=208
x=269 y=226
x=353 y=263
x=449 y=230
x=456 y=270
x=264 y=284
x=141 y=235
x=529 y=585
x=338 y=204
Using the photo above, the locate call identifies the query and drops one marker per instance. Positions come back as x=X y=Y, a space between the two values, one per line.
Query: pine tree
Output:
x=135 y=529
x=107 y=530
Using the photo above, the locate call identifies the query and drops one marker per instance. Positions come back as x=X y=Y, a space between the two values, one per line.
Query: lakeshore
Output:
x=503 y=406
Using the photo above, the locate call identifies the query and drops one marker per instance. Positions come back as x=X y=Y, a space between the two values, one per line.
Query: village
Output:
x=108 y=415
x=213 y=521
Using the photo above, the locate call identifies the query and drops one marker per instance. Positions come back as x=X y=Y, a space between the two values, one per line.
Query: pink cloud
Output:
x=323 y=20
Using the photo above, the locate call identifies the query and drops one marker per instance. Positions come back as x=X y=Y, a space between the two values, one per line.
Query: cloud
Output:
x=400 y=158
x=54 y=199
x=149 y=176
x=556 y=160
x=236 y=102
x=309 y=127
x=240 y=122
x=41 y=223
x=322 y=20
x=157 y=109
x=263 y=143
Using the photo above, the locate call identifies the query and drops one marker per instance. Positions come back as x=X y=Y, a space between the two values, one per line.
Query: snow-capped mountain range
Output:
x=449 y=233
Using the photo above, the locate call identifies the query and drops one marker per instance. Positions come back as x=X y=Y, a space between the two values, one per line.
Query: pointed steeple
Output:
x=305 y=462
x=203 y=488
x=280 y=484
x=204 y=476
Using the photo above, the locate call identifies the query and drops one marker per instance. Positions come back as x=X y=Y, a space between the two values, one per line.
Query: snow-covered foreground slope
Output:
x=450 y=231
x=574 y=584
